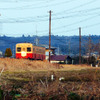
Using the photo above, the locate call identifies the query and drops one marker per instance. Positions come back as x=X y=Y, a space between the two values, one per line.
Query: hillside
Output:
x=66 y=44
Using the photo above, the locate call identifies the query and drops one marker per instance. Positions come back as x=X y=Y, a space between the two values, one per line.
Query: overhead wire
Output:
x=77 y=22
x=74 y=23
x=37 y=19
x=31 y=20
x=75 y=29
x=73 y=8
x=83 y=27
x=54 y=18
x=66 y=31
x=33 y=6
x=12 y=1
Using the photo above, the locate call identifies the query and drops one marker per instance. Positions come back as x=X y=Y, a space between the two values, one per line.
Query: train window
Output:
x=40 y=50
x=37 y=49
x=43 y=51
x=33 y=49
x=29 y=49
x=18 y=49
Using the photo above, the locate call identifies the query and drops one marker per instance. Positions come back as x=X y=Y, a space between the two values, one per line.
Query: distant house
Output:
x=61 y=59
x=52 y=51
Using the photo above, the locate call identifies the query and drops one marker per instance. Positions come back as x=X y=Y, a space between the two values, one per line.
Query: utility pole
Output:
x=37 y=40
x=89 y=45
x=49 y=34
x=99 y=47
x=13 y=51
x=69 y=47
x=58 y=50
x=79 y=45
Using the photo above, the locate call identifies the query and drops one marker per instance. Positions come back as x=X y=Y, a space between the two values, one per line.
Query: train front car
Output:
x=24 y=50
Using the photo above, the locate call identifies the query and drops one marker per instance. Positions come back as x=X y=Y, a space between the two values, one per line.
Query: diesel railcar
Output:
x=29 y=51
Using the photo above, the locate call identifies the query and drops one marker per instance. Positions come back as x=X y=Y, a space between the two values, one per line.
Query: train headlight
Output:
x=23 y=53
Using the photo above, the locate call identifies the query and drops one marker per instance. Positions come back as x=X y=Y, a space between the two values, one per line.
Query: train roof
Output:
x=40 y=45
x=24 y=43
x=30 y=44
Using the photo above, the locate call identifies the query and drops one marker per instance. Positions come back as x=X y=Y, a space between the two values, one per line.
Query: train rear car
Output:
x=38 y=53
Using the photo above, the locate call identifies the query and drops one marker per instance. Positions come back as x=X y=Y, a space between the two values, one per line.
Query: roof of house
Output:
x=58 y=57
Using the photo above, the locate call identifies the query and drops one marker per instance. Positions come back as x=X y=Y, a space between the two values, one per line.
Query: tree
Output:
x=8 y=52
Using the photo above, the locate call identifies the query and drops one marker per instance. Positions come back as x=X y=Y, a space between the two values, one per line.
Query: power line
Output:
x=87 y=11
x=12 y=1
x=84 y=27
x=75 y=15
x=40 y=18
x=84 y=11
x=32 y=19
x=85 y=4
x=89 y=18
x=74 y=28
x=33 y=6
x=74 y=23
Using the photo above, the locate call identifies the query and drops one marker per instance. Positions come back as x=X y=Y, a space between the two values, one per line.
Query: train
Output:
x=30 y=51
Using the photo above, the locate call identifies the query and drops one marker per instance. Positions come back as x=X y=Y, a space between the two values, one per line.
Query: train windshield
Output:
x=28 y=49
x=18 y=49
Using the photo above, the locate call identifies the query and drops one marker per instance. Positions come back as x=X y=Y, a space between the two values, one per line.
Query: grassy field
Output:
x=16 y=65
x=23 y=79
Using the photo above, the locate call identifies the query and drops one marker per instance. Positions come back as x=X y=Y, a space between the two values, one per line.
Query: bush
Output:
x=1 y=94
x=73 y=96
x=8 y=52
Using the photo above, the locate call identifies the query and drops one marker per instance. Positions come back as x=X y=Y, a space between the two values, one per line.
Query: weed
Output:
x=1 y=94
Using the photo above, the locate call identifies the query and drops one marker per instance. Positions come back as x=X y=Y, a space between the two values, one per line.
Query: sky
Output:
x=31 y=17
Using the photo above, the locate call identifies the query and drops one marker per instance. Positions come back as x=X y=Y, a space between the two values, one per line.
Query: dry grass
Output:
x=77 y=67
x=36 y=82
x=27 y=65
x=84 y=83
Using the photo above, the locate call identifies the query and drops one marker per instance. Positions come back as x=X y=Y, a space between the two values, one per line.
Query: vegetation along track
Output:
x=24 y=79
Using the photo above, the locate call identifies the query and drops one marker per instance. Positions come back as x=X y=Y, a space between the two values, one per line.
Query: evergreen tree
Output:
x=8 y=52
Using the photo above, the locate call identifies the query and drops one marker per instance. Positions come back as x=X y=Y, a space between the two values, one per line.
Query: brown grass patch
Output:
x=77 y=67
x=17 y=65
x=26 y=65
x=36 y=81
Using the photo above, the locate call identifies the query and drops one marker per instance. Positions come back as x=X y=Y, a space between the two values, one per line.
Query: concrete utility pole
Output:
x=79 y=45
x=49 y=34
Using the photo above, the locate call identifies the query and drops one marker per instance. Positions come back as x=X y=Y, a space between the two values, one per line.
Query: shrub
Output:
x=8 y=52
x=1 y=94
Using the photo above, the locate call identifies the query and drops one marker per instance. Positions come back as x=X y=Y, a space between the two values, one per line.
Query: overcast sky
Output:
x=31 y=17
